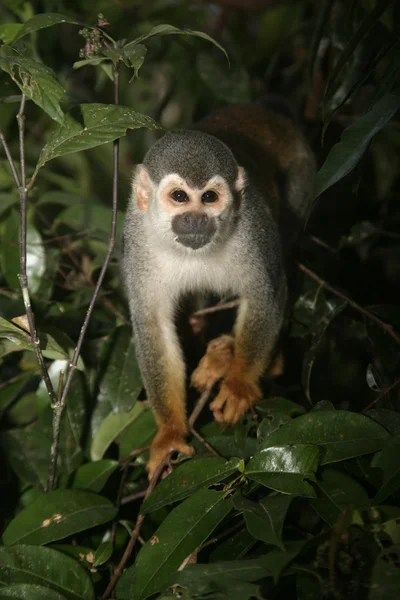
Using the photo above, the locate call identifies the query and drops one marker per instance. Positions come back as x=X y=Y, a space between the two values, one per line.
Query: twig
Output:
x=133 y=497
x=133 y=454
x=119 y=499
x=201 y=402
x=384 y=393
x=136 y=531
x=111 y=244
x=9 y=158
x=385 y=326
x=58 y=409
x=203 y=441
x=216 y=308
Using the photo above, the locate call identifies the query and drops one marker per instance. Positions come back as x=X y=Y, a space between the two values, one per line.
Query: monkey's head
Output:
x=189 y=186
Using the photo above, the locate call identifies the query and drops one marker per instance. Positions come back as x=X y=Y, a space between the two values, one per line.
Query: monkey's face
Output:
x=183 y=214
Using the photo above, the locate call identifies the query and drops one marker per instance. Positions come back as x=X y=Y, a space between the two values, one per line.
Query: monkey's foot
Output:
x=166 y=441
x=277 y=367
x=235 y=397
x=214 y=364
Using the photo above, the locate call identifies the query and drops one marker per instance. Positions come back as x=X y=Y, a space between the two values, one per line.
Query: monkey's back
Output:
x=273 y=149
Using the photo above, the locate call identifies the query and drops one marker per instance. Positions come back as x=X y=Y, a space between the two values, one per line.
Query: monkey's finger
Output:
x=217 y=404
x=234 y=409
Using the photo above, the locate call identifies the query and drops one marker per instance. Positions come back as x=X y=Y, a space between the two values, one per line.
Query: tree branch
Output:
x=136 y=531
x=385 y=326
x=111 y=244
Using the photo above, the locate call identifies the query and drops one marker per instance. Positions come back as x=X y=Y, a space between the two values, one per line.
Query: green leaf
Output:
x=102 y=123
x=112 y=426
x=276 y=561
x=91 y=217
x=285 y=468
x=171 y=30
x=183 y=530
x=25 y=591
x=203 y=580
x=9 y=251
x=58 y=515
x=41 y=21
x=93 y=476
x=137 y=434
x=276 y=412
x=366 y=26
x=120 y=382
x=338 y=492
x=134 y=57
x=46 y=567
x=225 y=443
x=8 y=31
x=10 y=391
x=264 y=519
x=103 y=553
x=234 y=547
x=35 y=258
x=188 y=478
x=97 y=60
x=37 y=82
x=344 y=156
x=28 y=452
x=388 y=461
x=341 y=434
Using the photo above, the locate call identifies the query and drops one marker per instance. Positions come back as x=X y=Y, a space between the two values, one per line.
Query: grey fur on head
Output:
x=194 y=155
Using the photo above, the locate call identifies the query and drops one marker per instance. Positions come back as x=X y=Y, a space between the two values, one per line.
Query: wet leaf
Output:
x=388 y=461
x=22 y=564
x=58 y=515
x=28 y=452
x=103 y=553
x=23 y=591
x=285 y=468
x=189 y=477
x=340 y=434
x=172 y=543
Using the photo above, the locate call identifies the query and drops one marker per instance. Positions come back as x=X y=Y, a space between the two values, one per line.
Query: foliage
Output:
x=302 y=500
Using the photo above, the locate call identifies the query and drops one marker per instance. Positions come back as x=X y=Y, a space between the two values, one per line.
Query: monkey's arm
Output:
x=163 y=371
x=257 y=329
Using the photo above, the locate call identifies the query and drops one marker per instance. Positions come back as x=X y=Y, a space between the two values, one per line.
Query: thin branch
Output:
x=379 y=398
x=216 y=308
x=133 y=454
x=133 y=497
x=136 y=531
x=119 y=499
x=9 y=158
x=203 y=441
x=200 y=404
x=111 y=244
x=58 y=409
x=385 y=326
x=23 y=279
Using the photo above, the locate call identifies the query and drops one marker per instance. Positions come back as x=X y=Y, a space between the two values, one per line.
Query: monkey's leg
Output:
x=255 y=338
x=214 y=364
x=163 y=371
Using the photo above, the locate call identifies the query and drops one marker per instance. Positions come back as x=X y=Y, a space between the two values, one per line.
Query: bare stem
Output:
x=58 y=409
x=385 y=326
x=379 y=398
x=203 y=441
x=216 y=308
x=9 y=158
x=22 y=254
x=136 y=531
x=111 y=244
x=200 y=404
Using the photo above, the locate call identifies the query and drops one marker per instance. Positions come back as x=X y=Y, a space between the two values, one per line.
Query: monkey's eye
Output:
x=209 y=196
x=179 y=196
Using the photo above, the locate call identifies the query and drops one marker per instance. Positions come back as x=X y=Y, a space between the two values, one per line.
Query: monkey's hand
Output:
x=214 y=364
x=166 y=440
x=238 y=392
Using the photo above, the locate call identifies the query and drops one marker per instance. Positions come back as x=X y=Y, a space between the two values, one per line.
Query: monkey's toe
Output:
x=165 y=442
x=234 y=399
x=214 y=364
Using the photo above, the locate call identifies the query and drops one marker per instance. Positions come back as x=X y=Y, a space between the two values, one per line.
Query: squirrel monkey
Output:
x=213 y=209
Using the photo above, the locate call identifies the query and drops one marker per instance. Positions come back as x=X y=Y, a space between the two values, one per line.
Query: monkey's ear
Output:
x=142 y=187
x=240 y=180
